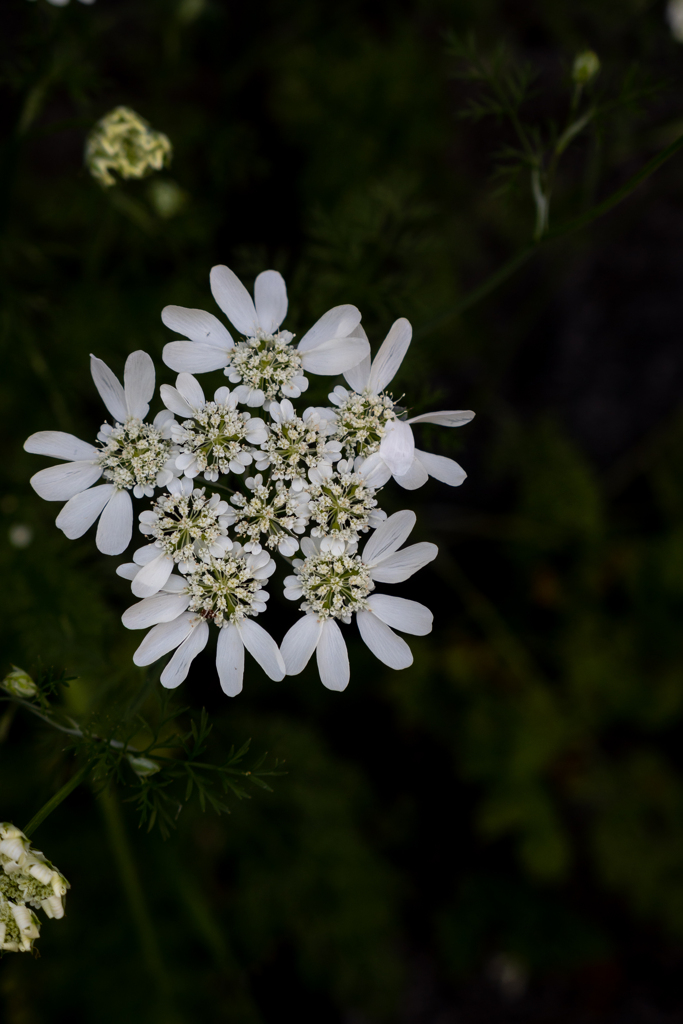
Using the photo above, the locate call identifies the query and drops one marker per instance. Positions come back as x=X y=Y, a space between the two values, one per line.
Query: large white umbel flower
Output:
x=132 y=456
x=367 y=420
x=337 y=587
x=265 y=363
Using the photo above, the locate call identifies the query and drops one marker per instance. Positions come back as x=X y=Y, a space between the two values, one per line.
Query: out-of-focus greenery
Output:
x=499 y=829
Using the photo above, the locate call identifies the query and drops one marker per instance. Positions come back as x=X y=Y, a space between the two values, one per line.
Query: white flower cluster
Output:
x=27 y=879
x=238 y=478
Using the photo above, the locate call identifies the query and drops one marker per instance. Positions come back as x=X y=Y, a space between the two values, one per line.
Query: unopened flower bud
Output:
x=586 y=67
x=143 y=766
x=19 y=684
x=124 y=142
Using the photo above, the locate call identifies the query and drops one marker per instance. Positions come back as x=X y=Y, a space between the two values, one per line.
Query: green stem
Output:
x=56 y=800
x=516 y=261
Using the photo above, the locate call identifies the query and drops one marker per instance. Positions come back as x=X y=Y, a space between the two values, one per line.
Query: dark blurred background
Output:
x=495 y=834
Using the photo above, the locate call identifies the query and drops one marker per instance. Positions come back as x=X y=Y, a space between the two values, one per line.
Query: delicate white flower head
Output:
x=342 y=505
x=265 y=363
x=214 y=438
x=296 y=444
x=227 y=591
x=270 y=517
x=132 y=456
x=26 y=877
x=369 y=428
x=674 y=16
x=336 y=587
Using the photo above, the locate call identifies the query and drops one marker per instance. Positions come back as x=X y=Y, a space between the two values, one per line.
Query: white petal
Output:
x=138 y=383
x=115 y=527
x=146 y=554
x=374 y=470
x=163 y=638
x=388 y=537
x=358 y=375
x=189 y=357
x=262 y=648
x=60 y=446
x=234 y=300
x=406 y=616
x=59 y=483
x=80 y=513
x=174 y=401
x=199 y=326
x=128 y=571
x=397 y=447
x=270 y=298
x=334 y=356
x=111 y=392
x=336 y=323
x=390 y=356
x=445 y=418
x=151 y=611
x=404 y=563
x=230 y=660
x=300 y=642
x=446 y=470
x=416 y=476
x=176 y=671
x=191 y=390
x=153 y=576
x=383 y=642
x=333 y=657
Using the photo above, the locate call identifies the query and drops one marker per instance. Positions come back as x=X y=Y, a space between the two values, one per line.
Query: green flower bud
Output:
x=124 y=142
x=143 y=766
x=586 y=67
x=19 y=684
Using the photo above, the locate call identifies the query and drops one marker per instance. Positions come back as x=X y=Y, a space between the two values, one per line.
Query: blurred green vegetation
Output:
x=518 y=793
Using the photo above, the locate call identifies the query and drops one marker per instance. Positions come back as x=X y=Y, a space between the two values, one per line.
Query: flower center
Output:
x=215 y=436
x=362 y=420
x=132 y=453
x=335 y=585
x=342 y=506
x=266 y=363
x=185 y=526
x=270 y=512
x=223 y=590
x=294 y=446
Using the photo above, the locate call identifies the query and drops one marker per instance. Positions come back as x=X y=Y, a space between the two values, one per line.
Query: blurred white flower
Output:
x=65 y=3
x=20 y=535
x=124 y=142
x=674 y=16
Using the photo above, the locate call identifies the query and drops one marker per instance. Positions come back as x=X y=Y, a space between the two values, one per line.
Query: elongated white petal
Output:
x=59 y=445
x=174 y=401
x=151 y=611
x=300 y=642
x=416 y=476
x=388 y=536
x=190 y=389
x=383 y=642
x=374 y=470
x=446 y=470
x=59 y=483
x=262 y=648
x=230 y=660
x=163 y=638
x=199 y=326
x=153 y=576
x=404 y=563
x=128 y=571
x=146 y=554
x=80 y=513
x=138 y=383
x=332 y=657
x=445 y=418
x=115 y=527
x=234 y=300
x=338 y=322
x=358 y=375
x=176 y=671
x=334 y=356
x=189 y=357
x=109 y=387
x=270 y=298
x=406 y=616
x=397 y=447
x=392 y=351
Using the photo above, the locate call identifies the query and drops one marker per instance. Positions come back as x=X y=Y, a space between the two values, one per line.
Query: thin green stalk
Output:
x=57 y=799
x=520 y=258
